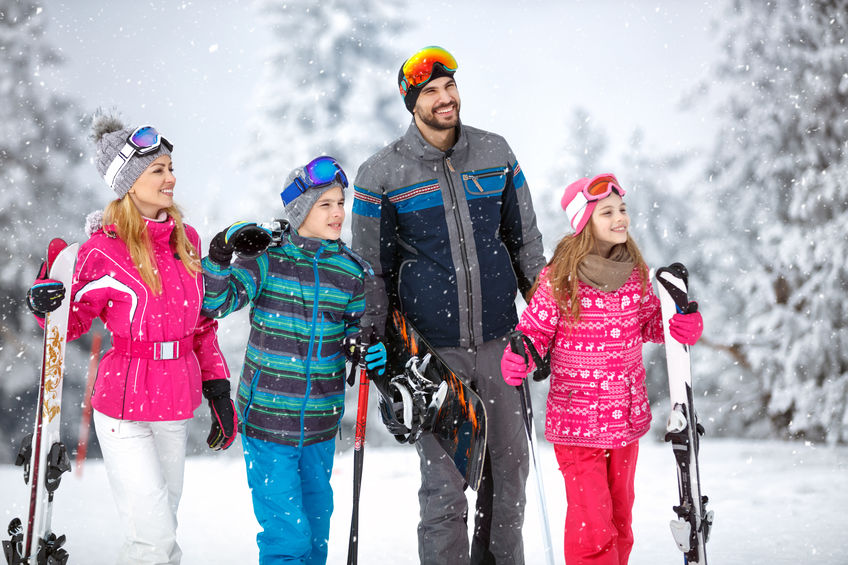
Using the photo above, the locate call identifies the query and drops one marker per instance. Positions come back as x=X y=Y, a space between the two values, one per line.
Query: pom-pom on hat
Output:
x=583 y=195
x=110 y=137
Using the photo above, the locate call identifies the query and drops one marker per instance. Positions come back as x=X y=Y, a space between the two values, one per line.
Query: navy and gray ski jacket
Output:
x=451 y=235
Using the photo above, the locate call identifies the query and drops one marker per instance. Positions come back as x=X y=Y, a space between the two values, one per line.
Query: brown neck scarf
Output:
x=607 y=275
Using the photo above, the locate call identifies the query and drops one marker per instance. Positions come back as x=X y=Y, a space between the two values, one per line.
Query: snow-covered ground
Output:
x=774 y=503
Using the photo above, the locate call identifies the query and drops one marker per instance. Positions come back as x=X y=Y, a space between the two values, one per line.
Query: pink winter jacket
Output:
x=158 y=381
x=597 y=396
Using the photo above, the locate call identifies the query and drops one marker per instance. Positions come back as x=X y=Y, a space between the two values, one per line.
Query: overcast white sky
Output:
x=190 y=69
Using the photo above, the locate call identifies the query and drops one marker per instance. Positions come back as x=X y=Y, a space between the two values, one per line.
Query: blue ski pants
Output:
x=292 y=499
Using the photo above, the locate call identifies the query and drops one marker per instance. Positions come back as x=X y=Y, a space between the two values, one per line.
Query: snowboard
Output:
x=691 y=529
x=459 y=425
x=42 y=453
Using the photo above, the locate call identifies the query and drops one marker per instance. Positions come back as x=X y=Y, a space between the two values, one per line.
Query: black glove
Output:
x=246 y=239
x=220 y=250
x=46 y=294
x=224 y=420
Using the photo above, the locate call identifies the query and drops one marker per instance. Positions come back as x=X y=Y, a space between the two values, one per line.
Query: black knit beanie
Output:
x=411 y=96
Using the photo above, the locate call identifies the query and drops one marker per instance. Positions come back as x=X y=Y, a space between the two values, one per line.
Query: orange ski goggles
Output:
x=418 y=69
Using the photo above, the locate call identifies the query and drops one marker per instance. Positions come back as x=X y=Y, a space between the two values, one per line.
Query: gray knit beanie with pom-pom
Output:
x=110 y=136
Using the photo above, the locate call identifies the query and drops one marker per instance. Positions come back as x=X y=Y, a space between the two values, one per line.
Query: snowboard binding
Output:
x=410 y=401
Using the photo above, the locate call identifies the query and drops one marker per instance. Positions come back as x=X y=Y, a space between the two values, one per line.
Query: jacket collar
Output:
x=160 y=231
x=420 y=148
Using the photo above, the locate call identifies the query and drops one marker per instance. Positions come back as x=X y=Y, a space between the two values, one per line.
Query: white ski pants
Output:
x=145 y=462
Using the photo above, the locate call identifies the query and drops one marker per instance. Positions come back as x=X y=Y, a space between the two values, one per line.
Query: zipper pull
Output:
x=450 y=165
x=476 y=182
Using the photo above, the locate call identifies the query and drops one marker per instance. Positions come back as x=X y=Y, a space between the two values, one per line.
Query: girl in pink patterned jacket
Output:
x=597 y=407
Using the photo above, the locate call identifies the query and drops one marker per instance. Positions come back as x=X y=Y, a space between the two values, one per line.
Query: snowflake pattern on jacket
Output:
x=598 y=396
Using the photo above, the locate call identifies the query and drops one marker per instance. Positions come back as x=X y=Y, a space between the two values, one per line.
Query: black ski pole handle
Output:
x=517 y=340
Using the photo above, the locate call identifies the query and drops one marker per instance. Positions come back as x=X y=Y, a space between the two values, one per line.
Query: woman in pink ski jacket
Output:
x=140 y=273
x=593 y=307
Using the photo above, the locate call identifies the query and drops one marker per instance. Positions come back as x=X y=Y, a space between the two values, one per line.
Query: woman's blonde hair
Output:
x=132 y=229
x=562 y=271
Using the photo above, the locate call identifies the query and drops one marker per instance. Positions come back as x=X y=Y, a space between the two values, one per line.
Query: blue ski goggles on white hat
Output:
x=320 y=171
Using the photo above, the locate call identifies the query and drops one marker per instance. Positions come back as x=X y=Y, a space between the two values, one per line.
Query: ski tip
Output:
x=675 y=269
x=55 y=247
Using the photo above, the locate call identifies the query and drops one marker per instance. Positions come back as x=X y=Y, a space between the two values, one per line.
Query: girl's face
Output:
x=154 y=189
x=610 y=223
x=325 y=219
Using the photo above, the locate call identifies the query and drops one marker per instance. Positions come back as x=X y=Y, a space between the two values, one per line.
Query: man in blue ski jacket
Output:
x=444 y=216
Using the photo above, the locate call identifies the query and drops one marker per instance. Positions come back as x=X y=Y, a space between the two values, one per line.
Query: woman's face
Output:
x=154 y=189
x=610 y=223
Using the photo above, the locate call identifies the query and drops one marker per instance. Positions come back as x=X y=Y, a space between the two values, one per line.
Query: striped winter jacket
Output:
x=305 y=296
x=451 y=235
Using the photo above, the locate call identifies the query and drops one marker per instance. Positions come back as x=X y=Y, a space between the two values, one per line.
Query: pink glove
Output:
x=513 y=367
x=686 y=328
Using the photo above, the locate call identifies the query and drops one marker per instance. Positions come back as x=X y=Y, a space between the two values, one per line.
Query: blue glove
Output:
x=375 y=357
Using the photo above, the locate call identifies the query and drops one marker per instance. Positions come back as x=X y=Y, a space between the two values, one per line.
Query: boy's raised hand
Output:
x=247 y=239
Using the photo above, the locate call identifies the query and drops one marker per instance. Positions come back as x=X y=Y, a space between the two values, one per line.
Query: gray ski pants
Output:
x=499 y=516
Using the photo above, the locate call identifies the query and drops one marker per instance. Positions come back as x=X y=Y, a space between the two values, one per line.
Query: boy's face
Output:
x=325 y=219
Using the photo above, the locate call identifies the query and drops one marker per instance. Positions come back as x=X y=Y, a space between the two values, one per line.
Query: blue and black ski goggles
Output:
x=321 y=171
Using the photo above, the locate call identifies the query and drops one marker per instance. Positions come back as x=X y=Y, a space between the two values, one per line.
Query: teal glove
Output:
x=375 y=357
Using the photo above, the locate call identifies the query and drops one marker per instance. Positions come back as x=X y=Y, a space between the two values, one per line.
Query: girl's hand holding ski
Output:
x=687 y=328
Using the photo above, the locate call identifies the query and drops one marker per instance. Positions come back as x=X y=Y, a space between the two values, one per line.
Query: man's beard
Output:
x=430 y=120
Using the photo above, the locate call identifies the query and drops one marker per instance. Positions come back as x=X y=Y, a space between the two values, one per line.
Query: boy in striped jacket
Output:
x=306 y=294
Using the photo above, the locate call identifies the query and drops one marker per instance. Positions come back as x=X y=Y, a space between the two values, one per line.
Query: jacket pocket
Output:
x=330 y=322
x=485 y=181
x=254 y=383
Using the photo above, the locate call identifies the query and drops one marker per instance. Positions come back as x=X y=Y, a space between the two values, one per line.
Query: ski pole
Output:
x=358 y=449
x=516 y=340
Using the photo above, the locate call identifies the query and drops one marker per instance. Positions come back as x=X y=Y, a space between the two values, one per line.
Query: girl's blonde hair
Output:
x=562 y=271
x=132 y=229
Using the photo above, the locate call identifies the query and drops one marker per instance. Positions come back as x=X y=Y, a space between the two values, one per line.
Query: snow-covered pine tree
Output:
x=776 y=212
x=329 y=87
x=41 y=143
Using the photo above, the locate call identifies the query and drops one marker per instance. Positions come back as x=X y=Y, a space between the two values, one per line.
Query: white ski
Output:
x=43 y=456
x=691 y=529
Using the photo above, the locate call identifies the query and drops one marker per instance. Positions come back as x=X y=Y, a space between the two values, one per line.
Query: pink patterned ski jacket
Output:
x=597 y=396
x=162 y=348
